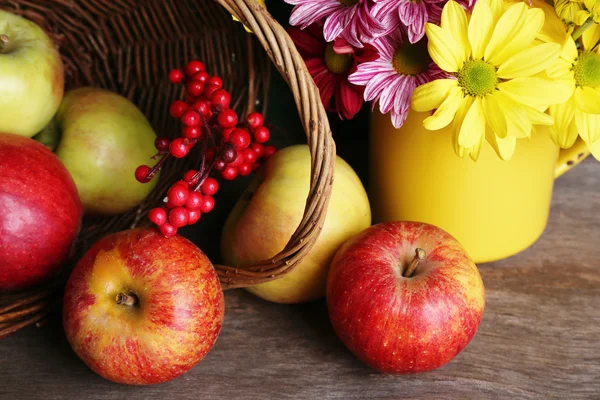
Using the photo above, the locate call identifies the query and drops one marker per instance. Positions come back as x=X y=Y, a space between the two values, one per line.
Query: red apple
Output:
x=404 y=297
x=40 y=212
x=142 y=309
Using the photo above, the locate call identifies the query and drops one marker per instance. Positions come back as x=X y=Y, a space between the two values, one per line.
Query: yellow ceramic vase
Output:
x=494 y=208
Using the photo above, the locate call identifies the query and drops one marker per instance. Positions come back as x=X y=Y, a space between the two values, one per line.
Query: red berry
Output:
x=245 y=169
x=182 y=183
x=210 y=154
x=175 y=76
x=226 y=134
x=240 y=138
x=194 y=216
x=258 y=148
x=209 y=90
x=228 y=153
x=249 y=156
x=179 y=217
x=178 y=195
x=262 y=134
x=239 y=160
x=194 y=201
x=194 y=88
x=203 y=107
x=255 y=120
x=191 y=118
x=210 y=186
x=269 y=151
x=161 y=143
x=168 y=230
x=191 y=132
x=221 y=99
x=178 y=148
x=255 y=166
x=178 y=108
x=157 y=216
x=229 y=173
x=227 y=118
x=142 y=172
x=193 y=67
x=215 y=80
x=189 y=176
x=201 y=76
x=208 y=203
x=220 y=165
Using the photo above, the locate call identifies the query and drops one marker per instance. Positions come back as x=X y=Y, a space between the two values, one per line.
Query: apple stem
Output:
x=4 y=41
x=127 y=299
x=419 y=255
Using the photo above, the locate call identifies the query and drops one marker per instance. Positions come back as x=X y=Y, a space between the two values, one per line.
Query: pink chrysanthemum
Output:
x=392 y=78
x=330 y=64
x=348 y=19
x=413 y=14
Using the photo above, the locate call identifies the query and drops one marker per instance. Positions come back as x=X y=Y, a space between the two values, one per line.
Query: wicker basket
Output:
x=129 y=46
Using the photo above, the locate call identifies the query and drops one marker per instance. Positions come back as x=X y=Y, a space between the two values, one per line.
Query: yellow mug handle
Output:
x=568 y=158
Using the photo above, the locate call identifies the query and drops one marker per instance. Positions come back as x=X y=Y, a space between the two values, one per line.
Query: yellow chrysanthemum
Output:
x=568 y=11
x=580 y=113
x=500 y=91
x=262 y=3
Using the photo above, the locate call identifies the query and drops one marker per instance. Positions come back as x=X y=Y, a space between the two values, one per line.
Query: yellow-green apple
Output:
x=141 y=309
x=404 y=297
x=265 y=218
x=40 y=212
x=105 y=137
x=31 y=76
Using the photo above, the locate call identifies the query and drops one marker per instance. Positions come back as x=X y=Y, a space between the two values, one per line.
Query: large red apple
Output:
x=404 y=297
x=142 y=309
x=40 y=212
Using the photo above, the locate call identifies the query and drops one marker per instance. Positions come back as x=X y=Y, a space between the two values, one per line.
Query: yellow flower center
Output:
x=337 y=63
x=587 y=69
x=477 y=78
x=411 y=58
x=348 y=3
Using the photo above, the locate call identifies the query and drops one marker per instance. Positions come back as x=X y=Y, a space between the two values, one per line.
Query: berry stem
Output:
x=127 y=299
x=419 y=255
x=157 y=166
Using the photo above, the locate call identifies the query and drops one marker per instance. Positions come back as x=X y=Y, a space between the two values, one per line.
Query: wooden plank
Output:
x=539 y=338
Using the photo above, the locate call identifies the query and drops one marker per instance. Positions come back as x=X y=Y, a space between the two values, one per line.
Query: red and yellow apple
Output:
x=40 y=213
x=105 y=137
x=31 y=76
x=404 y=297
x=142 y=309
x=267 y=215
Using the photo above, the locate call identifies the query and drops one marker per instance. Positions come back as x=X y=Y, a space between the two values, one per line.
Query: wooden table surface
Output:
x=539 y=338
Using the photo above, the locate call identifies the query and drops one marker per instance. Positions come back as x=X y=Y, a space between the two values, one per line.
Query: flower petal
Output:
x=514 y=32
x=563 y=133
x=588 y=126
x=445 y=112
x=518 y=125
x=454 y=21
x=473 y=126
x=444 y=50
x=504 y=148
x=480 y=29
x=348 y=99
x=463 y=108
x=588 y=99
x=530 y=61
x=536 y=92
x=430 y=95
x=494 y=115
x=591 y=37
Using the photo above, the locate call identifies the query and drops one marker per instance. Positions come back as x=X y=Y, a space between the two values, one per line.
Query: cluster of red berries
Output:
x=230 y=147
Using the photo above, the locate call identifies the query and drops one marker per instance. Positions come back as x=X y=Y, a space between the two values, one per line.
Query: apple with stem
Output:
x=31 y=76
x=404 y=297
x=141 y=309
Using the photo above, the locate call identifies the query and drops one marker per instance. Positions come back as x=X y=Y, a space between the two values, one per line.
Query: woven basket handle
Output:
x=289 y=63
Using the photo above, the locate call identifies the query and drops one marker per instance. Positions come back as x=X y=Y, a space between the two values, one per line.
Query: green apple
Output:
x=31 y=76
x=267 y=215
x=105 y=137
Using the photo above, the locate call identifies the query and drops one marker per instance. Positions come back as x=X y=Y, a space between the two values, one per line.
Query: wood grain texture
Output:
x=540 y=336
